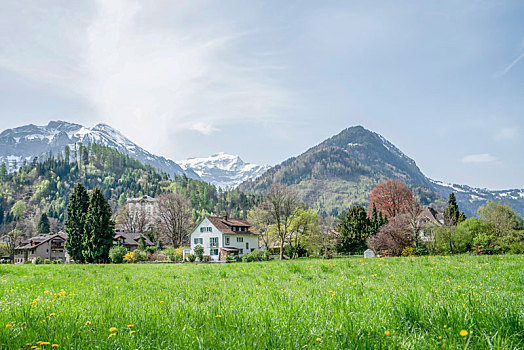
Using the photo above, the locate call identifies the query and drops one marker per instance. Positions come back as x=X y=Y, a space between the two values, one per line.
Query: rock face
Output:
x=223 y=170
x=26 y=142
x=342 y=170
x=23 y=144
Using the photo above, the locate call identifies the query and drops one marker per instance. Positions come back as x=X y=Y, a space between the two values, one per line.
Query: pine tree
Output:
x=354 y=229
x=452 y=214
x=75 y=222
x=99 y=229
x=43 y=224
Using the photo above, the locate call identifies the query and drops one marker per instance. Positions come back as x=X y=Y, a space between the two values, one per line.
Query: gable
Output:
x=205 y=223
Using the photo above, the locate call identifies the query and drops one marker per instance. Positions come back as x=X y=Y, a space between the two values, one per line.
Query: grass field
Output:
x=344 y=303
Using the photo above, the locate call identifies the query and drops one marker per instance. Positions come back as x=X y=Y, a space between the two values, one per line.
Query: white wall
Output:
x=251 y=240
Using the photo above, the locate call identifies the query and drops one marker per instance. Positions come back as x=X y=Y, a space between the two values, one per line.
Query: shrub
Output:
x=230 y=259
x=130 y=258
x=256 y=255
x=408 y=251
x=191 y=257
x=151 y=250
x=117 y=253
x=47 y=261
x=392 y=237
x=54 y=262
x=199 y=252
x=38 y=260
x=27 y=262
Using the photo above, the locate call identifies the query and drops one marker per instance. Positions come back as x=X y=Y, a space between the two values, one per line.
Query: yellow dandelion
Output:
x=387 y=333
x=88 y=323
x=318 y=339
x=54 y=345
x=130 y=326
x=8 y=325
x=112 y=335
x=52 y=314
x=445 y=326
x=28 y=344
x=439 y=337
x=131 y=332
x=112 y=329
x=45 y=343
x=463 y=332
x=218 y=316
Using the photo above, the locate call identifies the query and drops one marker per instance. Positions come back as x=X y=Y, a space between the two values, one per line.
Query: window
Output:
x=206 y=229
x=213 y=242
x=247 y=245
x=213 y=251
x=240 y=239
x=240 y=251
x=227 y=240
x=198 y=241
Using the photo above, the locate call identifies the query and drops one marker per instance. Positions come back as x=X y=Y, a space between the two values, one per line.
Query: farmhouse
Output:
x=222 y=236
x=131 y=240
x=45 y=246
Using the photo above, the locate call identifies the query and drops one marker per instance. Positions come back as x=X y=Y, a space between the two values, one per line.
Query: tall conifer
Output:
x=99 y=229
x=43 y=224
x=75 y=222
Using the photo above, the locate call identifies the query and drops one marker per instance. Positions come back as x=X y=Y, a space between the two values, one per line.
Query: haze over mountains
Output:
x=337 y=173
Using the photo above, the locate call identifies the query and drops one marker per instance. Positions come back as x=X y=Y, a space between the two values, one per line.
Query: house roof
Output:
x=141 y=199
x=432 y=215
x=36 y=241
x=132 y=238
x=225 y=225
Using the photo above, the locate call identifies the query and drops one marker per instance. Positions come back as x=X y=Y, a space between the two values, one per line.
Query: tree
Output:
x=354 y=228
x=18 y=210
x=43 y=224
x=174 y=211
x=393 y=237
x=303 y=223
x=281 y=202
x=413 y=211
x=99 y=229
x=133 y=221
x=391 y=198
x=3 y=171
x=452 y=214
x=324 y=239
x=501 y=218
x=260 y=218
x=11 y=240
x=75 y=222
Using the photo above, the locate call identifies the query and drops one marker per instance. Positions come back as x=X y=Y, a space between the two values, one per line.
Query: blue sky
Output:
x=442 y=80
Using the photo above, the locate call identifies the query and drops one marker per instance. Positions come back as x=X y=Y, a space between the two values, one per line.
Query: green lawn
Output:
x=344 y=303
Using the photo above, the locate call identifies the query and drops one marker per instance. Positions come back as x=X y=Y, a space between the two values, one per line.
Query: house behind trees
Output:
x=45 y=246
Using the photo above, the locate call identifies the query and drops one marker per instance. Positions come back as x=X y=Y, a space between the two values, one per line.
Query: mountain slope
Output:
x=26 y=142
x=342 y=170
x=223 y=170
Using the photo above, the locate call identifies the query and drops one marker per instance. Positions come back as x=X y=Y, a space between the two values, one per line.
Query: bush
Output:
x=130 y=258
x=38 y=260
x=408 y=251
x=256 y=255
x=117 y=253
x=47 y=261
x=230 y=259
x=27 y=262
x=191 y=257
x=199 y=252
x=151 y=250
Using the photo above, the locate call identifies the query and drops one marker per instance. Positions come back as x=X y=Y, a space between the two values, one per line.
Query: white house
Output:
x=221 y=236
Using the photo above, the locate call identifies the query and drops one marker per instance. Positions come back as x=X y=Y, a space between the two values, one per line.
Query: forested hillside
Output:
x=44 y=185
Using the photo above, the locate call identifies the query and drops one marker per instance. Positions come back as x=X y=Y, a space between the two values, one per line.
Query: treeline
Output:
x=44 y=186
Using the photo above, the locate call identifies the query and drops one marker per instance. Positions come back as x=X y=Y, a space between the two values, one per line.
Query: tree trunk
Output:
x=281 y=248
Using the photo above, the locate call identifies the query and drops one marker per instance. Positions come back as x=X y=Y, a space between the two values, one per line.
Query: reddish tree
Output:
x=393 y=237
x=391 y=197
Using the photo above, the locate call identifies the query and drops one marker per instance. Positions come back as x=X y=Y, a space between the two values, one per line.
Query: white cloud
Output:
x=479 y=158
x=505 y=134
x=204 y=128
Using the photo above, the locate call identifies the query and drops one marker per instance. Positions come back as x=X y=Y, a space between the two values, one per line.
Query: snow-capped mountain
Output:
x=223 y=170
x=26 y=142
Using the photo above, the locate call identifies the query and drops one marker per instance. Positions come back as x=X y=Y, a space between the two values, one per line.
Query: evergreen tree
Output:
x=75 y=222
x=99 y=229
x=354 y=229
x=1 y=215
x=452 y=214
x=43 y=224
x=3 y=171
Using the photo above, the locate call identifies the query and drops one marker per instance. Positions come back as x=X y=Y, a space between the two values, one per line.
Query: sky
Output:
x=442 y=80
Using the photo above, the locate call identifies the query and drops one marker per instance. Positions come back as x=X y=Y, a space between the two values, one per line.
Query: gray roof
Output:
x=132 y=238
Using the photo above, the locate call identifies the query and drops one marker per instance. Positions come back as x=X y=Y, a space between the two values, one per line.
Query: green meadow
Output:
x=452 y=302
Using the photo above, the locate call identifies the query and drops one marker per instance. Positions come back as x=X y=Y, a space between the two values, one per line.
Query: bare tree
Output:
x=135 y=220
x=282 y=202
x=413 y=211
x=393 y=237
x=174 y=211
x=260 y=217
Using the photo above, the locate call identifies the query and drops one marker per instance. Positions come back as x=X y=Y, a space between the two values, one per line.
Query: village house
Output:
x=131 y=240
x=222 y=236
x=45 y=246
x=144 y=209
x=429 y=217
